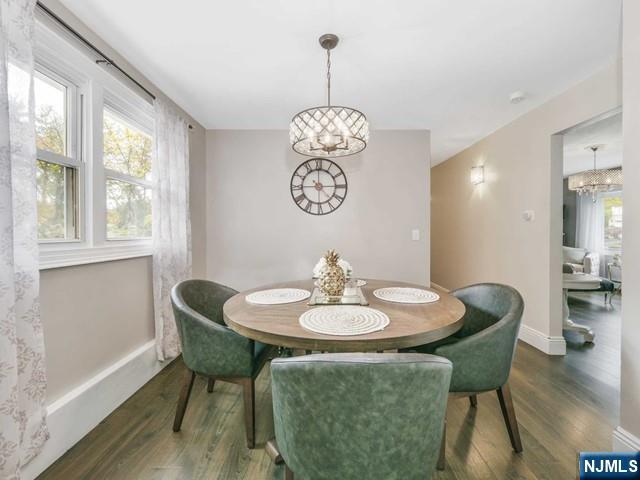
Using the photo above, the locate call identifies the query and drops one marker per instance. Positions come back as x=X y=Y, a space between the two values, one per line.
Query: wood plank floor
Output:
x=564 y=405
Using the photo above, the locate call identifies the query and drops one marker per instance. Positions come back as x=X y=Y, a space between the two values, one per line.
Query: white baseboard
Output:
x=438 y=287
x=545 y=343
x=75 y=414
x=624 y=441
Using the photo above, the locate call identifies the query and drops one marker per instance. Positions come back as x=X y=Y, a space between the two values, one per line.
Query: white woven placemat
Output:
x=344 y=320
x=277 y=296
x=406 y=295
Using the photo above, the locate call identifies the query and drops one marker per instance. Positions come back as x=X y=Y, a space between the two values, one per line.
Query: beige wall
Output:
x=630 y=375
x=478 y=233
x=257 y=235
x=198 y=200
x=93 y=315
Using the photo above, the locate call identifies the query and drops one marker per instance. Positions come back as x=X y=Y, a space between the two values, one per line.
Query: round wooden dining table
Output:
x=410 y=324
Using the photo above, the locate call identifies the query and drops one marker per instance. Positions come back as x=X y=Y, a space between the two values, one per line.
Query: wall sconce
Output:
x=477 y=175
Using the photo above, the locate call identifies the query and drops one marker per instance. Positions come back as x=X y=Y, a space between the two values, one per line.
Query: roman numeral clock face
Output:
x=318 y=186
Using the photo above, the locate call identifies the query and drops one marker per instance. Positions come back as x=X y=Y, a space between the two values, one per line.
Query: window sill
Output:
x=57 y=258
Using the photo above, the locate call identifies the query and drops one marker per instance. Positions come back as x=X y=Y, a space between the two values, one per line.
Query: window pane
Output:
x=55 y=197
x=51 y=114
x=128 y=210
x=126 y=148
x=613 y=223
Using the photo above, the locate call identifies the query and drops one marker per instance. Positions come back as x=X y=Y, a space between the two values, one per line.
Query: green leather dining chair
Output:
x=482 y=350
x=211 y=349
x=373 y=416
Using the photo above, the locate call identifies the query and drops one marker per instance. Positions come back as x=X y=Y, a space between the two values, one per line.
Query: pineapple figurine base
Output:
x=354 y=298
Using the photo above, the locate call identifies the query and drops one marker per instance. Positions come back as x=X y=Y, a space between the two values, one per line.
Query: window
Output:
x=127 y=162
x=613 y=222
x=51 y=114
x=57 y=179
x=94 y=142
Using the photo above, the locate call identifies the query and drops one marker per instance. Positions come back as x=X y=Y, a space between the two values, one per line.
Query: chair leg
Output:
x=210 y=384
x=184 y=399
x=509 y=414
x=288 y=474
x=443 y=445
x=473 y=399
x=249 y=411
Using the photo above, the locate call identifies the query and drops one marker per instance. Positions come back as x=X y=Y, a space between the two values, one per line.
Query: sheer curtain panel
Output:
x=171 y=223
x=590 y=223
x=23 y=428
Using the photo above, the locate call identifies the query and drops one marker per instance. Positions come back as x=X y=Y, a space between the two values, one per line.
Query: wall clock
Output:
x=318 y=186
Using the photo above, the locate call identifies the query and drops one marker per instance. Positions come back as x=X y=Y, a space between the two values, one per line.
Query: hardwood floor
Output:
x=563 y=404
x=602 y=358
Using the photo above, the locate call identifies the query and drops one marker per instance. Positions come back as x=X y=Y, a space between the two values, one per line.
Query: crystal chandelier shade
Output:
x=594 y=181
x=329 y=131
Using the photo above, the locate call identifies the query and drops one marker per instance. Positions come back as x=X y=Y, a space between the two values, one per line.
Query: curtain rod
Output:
x=105 y=60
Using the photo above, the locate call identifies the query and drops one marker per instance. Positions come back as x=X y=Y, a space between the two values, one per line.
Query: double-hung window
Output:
x=59 y=166
x=94 y=136
x=127 y=165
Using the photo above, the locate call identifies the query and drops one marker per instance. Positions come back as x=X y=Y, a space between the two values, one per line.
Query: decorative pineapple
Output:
x=332 y=277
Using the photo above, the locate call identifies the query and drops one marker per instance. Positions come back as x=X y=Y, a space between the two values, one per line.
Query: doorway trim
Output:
x=556 y=143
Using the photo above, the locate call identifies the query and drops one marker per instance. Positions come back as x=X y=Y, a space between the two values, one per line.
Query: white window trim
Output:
x=82 y=256
x=54 y=53
x=72 y=158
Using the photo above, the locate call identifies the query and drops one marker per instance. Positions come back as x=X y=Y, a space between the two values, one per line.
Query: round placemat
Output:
x=277 y=296
x=344 y=320
x=406 y=295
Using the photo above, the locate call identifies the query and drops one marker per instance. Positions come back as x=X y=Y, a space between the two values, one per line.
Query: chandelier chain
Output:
x=328 y=77
x=328 y=131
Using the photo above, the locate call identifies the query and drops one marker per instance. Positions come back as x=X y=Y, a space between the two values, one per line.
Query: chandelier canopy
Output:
x=329 y=131
x=594 y=181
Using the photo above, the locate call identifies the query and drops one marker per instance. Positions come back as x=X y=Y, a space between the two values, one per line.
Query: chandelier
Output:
x=594 y=181
x=329 y=131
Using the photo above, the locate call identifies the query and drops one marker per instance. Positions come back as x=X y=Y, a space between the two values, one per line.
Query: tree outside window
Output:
x=613 y=222
x=127 y=160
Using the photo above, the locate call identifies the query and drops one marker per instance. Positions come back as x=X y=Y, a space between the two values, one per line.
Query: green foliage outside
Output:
x=127 y=150
x=613 y=222
x=50 y=136
x=51 y=200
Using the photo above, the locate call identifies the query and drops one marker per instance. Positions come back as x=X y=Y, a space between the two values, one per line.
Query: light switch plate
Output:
x=528 y=215
x=415 y=234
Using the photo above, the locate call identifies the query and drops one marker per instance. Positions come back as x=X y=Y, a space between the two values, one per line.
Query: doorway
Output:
x=592 y=230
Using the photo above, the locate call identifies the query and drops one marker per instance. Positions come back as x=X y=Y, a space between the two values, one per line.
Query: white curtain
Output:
x=23 y=428
x=171 y=223
x=590 y=223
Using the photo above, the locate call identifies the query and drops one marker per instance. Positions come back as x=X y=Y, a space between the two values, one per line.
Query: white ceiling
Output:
x=445 y=65
x=606 y=132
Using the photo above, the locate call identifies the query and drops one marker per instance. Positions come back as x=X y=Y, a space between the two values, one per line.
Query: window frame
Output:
x=94 y=88
x=73 y=146
x=137 y=121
